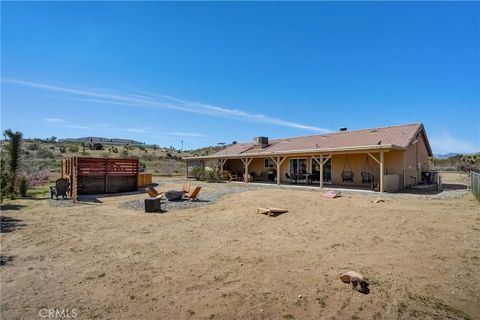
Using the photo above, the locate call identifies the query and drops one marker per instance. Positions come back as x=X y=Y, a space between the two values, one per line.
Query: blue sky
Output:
x=217 y=72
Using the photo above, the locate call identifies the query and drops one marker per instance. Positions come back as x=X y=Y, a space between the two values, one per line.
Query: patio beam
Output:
x=374 y=158
x=326 y=159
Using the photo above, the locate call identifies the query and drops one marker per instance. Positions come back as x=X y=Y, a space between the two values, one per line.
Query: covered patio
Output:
x=360 y=170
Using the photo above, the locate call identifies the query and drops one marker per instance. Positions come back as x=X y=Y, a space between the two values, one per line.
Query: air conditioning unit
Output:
x=260 y=141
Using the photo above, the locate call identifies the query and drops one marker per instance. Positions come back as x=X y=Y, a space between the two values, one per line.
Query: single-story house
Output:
x=385 y=159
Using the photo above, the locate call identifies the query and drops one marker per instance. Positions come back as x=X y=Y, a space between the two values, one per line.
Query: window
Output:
x=269 y=163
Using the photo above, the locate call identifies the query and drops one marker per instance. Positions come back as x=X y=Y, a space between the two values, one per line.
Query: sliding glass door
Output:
x=298 y=166
x=327 y=170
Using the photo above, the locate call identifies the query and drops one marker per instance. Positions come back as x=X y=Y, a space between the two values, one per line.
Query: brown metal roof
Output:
x=400 y=136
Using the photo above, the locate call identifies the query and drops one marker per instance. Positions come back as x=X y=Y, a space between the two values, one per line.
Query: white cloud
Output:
x=186 y=134
x=135 y=130
x=72 y=126
x=53 y=120
x=446 y=143
x=168 y=102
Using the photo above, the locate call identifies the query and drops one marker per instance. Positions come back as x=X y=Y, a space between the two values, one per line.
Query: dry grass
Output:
x=223 y=261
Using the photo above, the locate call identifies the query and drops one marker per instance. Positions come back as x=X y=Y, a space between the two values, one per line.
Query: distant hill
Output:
x=444 y=156
x=102 y=140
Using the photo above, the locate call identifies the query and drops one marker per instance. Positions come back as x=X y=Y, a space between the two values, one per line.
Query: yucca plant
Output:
x=13 y=158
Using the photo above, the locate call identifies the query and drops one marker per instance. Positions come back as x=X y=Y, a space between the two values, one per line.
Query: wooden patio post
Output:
x=186 y=168
x=382 y=170
x=222 y=163
x=246 y=162
x=321 y=171
x=278 y=170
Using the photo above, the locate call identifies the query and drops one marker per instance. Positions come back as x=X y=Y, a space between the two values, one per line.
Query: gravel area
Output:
x=205 y=198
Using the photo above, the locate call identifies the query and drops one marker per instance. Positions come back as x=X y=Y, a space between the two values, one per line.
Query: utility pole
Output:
x=182 y=146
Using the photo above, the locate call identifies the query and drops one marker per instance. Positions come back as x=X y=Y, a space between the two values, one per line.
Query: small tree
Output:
x=13 y=160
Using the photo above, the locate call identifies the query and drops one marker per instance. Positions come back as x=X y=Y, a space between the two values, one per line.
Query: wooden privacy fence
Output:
x=100 y=175
x=475 y=184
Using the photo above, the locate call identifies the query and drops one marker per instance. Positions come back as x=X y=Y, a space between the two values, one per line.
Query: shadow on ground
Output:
x=6 y=207
x=4 y=260
x=9 y=224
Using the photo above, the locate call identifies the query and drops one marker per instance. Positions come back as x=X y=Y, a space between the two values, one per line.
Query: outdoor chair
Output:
x=233 y=177
x=347 y=176
x=186 y=187
x=194 y=194
x=367 y=177
x=288 y=177
x=62 y=186
x=153 y=193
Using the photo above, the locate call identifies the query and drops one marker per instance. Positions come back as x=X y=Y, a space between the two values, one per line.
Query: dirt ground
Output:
x=223 y=261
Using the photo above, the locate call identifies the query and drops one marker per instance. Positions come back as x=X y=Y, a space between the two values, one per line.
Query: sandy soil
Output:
x=223 y=261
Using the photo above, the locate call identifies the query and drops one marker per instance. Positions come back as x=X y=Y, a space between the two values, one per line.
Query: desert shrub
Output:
x=32 y=147
x=23 y=186
x=45 y=154
x=148 y=157
x=142 y=148
x=213 y=175
x=62 y=149
x=73 y=148
x=198 y=173
x=114 y=149
x=84 y=153
x=142 y=166
x=124 y=153
x=96 y=146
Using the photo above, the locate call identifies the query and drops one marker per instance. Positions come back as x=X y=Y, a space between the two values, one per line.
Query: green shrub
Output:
x=213 y=175
x=23 y=186
x=45 y=154
x=73 y=148
x=197 y=173
x=32 y=146
x=124 y=153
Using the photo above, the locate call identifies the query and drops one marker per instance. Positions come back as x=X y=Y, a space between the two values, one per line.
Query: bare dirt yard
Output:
x=220 y=260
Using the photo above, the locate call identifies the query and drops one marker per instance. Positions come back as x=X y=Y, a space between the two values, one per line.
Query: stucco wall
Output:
x=415 y=161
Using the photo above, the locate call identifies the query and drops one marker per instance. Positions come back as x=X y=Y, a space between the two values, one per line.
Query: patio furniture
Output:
x=153 y=204
x=367 y=176
x=291 y=177
x=186 y=187
x=347 y=175
x=233 y=177
x=194 y=194
x=153 y=193
x=61 y=188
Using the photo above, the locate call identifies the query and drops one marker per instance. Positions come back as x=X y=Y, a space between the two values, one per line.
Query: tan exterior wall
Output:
x=357 y=162
x=415 y=161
